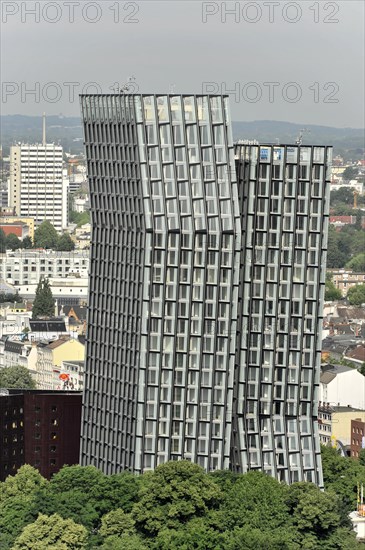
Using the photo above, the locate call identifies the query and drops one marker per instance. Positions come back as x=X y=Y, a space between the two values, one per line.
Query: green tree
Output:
x=16 y=377
x=9 y=297
x=331 y=292
x=52 y=532
x=196 y=533
x=45 y=236
x=72 y=504
x=15 y=514
x=356 y=295
x=343 y=196
x=12 y=242
x=44 y=303
x=65 y=243
x=362 y=457
x=2 y=241
x=76 y=478
x=248 y=538
x=357 y=263
x=124 y=542
x=336 y=257
x=27 y=242
x=256 y=500
x=174 y=493
x=17 y=494
x=350 y=173
x=117 y=522
x=341 y=475
x=25 y=483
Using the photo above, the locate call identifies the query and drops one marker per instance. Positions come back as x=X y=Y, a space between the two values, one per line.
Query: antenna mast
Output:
x=44 y=129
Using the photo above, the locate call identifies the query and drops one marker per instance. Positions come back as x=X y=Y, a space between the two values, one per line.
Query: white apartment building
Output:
x=37 y=188
x=24 y=268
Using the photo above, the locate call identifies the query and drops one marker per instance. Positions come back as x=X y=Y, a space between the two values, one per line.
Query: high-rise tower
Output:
x=180 y=301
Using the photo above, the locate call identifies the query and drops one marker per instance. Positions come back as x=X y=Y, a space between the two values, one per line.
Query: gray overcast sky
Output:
x=311 y=52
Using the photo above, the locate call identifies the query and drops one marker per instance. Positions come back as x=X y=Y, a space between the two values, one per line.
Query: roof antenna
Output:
x=44 y=129
x=299 y=140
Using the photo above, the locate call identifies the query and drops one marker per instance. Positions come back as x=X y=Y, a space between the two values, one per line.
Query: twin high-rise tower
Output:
x=206 y=290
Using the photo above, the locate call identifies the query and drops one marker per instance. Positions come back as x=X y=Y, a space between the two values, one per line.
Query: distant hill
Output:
x=67 y=131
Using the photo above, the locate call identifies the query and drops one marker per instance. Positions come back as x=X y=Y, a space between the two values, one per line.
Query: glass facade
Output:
x=205 y=290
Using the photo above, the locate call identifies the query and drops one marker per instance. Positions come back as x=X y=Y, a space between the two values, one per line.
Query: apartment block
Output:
x=40 y=428
x=37 y=189
x=25 y=267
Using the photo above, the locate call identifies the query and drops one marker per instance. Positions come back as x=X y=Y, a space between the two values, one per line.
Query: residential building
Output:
x=325 y=423
x=345 y=279
x=336 y=427
x=356 y=355
x=10 y=219
x=50 y=357
x=47 y=329
x=37 y=189
x=342 y=386
x=24 y=268
x=40 y=428
x=19 y=228
x=70 y=376
x=206 y=291
x=17 y=352
x=357 y=435
x=68 y=291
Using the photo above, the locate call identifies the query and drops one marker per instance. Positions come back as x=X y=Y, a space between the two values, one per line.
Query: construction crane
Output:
x=355 y=193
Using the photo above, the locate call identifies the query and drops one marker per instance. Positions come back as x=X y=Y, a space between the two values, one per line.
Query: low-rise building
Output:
x=5 y=218
x=336 y=427
x=70 y=290
x=344 y=280
x=70 y=376
x=357 y=435
x=356 y=355
x=15 y=352
x=24 y=267
x=342 y=386
x=19 y=229
x=50 y=357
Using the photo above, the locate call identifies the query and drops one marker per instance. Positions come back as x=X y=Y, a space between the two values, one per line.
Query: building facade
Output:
x=25 y=267
x=205 y=291
x=357 y=436
x=37 y=189
x=346 y=279
x=40 y=428
x=284 y=192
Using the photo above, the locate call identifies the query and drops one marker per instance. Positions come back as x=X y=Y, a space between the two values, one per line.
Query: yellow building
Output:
x=341 y=423
x=28 y=221
x=50 y=357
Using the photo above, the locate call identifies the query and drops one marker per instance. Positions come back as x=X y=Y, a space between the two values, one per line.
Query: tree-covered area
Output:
x=44 y=303
x=178 y=507
x=45 y=236
x=356 y=295
x=10 y=297
x=331 y=292
x=344 y=246
x=16 y=377
x=80 y=218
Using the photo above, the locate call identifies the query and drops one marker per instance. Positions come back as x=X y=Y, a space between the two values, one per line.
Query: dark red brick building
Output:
x=40 y=428
x=357 y=437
